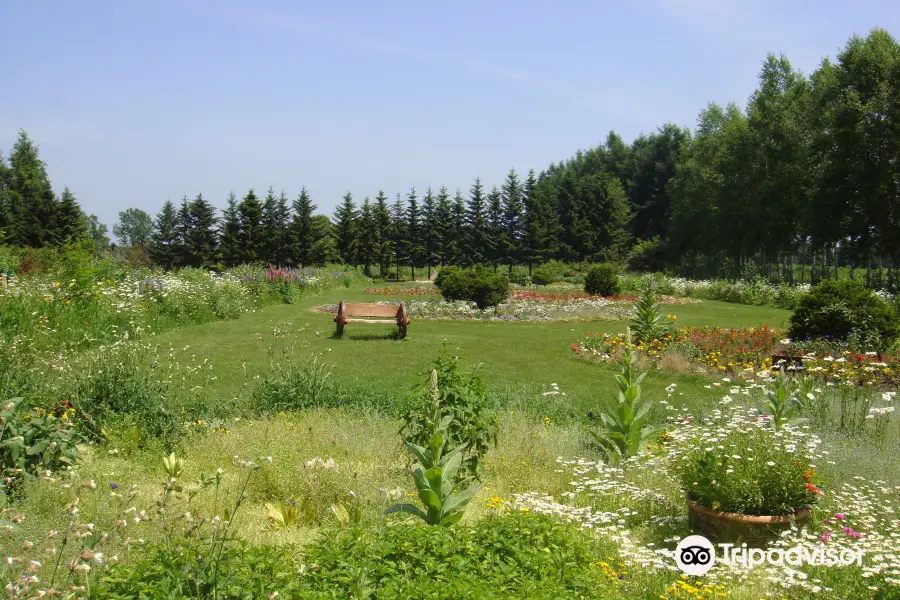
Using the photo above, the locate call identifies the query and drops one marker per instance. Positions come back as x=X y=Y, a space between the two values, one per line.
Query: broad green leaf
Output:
x=460 y=500
x=430 y=500
x=407 y=508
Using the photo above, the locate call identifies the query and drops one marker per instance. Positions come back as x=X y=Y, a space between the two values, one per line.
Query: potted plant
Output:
x=747 y=485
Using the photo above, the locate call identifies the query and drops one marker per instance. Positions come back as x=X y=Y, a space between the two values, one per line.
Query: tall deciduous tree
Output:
x=133 y=227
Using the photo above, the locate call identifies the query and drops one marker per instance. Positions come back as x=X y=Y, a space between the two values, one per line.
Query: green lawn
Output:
x=520 y=360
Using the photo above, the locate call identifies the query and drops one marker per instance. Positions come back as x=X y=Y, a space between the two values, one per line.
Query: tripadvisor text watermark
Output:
x=695 y=555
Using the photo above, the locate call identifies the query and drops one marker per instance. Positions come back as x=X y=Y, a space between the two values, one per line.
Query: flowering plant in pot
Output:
x=744 y=480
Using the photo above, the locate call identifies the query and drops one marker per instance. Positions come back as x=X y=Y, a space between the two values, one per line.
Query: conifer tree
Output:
x=367 y=244
x=444 y=214
x=5 y=214
x=345 y=230
x=283 y=248
x=456 y=232
x=302 y=240
x=511 y=238
x=251 y=232
x=31 y=201
x=229 y=233
x=398 y=232
x=69 y=219
x=183 y=227
x=270 y=227
x=202 y=241
x=322 y=245
x=414 y=248
x=494 y=246
x=384 y=242
x=430 y=231
x=476 y=225
x=164 y=240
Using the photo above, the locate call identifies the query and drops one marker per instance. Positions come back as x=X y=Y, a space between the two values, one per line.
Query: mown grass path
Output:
x=518 y=358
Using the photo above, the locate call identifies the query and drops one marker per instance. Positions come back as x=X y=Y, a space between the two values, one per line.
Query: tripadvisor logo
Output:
x=695 y=555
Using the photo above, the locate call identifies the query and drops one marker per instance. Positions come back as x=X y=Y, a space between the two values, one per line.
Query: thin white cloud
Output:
x=590 y=99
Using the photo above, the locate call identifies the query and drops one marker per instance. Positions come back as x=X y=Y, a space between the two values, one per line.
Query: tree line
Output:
x=806 y=175
x=31 y=213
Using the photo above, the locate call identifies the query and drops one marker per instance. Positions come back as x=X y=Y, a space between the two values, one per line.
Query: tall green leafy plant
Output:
x=464 y=400
x=782 y=401
x=648 y=323
x=626 y=429
x=443 y=493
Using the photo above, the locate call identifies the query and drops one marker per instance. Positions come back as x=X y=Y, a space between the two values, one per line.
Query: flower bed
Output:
x=582 y=309
x=534 y=295
x=729 y=350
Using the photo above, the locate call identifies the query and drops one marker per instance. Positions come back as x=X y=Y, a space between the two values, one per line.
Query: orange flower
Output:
x=814 y=489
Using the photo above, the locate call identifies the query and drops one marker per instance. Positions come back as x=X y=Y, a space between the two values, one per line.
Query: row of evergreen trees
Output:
x=273 y=231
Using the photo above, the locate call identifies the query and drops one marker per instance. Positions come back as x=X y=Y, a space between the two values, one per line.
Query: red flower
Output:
x=814 y=489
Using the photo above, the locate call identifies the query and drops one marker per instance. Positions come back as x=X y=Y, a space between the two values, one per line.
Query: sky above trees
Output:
x=136 y=104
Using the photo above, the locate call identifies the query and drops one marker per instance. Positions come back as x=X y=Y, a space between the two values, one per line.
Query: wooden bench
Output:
x=394 y=314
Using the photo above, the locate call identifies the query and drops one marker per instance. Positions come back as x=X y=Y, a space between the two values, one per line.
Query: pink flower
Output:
x=840 y=516
x=825 y=537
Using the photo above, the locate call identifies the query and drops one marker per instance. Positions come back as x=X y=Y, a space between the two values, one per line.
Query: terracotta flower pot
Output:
x=737 y=528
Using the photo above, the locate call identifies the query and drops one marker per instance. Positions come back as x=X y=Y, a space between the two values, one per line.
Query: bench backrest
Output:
x=370 y=310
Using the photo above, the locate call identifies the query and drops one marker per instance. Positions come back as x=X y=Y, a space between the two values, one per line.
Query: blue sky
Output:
x=135 y=103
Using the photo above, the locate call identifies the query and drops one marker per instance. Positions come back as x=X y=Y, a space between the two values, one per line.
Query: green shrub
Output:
x=845 y=310
x=514 y=556
x=10 y=259
x=519 y=275
x=646 y=255
x=30 y=443
x=602 y=279
x=546 y=274
x=478 y=285
x=465 y=399
x=229 y=570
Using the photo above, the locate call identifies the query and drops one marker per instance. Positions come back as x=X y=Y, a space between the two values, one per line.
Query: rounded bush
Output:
x=845 y=310
x=545 y=275
x=602 y=279
x=477 y=285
